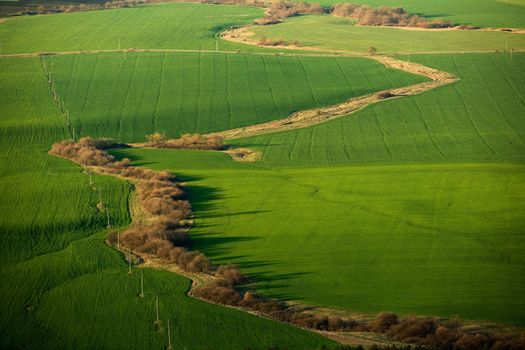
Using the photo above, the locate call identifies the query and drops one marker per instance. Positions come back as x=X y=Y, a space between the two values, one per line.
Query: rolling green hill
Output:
x=432 y=239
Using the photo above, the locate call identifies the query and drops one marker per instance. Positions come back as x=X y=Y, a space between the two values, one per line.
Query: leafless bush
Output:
x=383 y=322
x=230 y=273
x=186 y=141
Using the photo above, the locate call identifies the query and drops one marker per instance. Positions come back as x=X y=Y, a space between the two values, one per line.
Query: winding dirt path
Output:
x=310 y=117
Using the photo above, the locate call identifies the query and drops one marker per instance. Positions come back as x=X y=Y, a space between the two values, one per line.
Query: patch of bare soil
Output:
x=243 y=154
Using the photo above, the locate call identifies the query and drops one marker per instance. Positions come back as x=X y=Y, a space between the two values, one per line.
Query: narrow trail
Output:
x=310 y=117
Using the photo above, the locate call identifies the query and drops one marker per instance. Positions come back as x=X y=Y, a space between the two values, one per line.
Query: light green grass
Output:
x=484 y=13
x=328 y=32
x=164 y=26
x=427 y=239
x=127 y=97
x=479 y=118
x=62 y=286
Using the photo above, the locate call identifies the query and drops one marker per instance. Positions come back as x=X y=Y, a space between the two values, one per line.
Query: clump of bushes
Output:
x=281 y=42
x=386 y=16
x=186 y=141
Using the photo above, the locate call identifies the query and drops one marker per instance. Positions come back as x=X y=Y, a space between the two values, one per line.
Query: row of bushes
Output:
x=186 y=141
x=164 y=233
x=386 y=16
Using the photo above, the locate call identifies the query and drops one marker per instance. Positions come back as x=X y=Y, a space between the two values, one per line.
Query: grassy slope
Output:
x=128 y=97
x=485 y=13
x=428 y=239
x=480 y=118
x=327 y=32
x=434 y=239
x=63 y=288
x=169 y=26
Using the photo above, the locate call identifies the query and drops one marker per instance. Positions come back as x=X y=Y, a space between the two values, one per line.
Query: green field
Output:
x=484 y=13
x=63 y=287
x=335 y=33
x=414 y=205
x=422 y=238
x=170 y=26
x=127 y=97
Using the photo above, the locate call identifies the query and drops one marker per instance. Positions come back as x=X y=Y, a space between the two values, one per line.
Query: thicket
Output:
x=386 y=16
x=164 y=234
x=186 y=141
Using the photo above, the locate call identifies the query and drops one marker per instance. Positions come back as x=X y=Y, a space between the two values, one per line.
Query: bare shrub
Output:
x=231 y=274
x=413 y=329
x=187 y=141
x=383 y=322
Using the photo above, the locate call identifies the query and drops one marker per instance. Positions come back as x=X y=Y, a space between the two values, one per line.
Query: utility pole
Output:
x=157 y=322
x=141 y=285
x=170 y=347
x=107 y=215
x=129 y=260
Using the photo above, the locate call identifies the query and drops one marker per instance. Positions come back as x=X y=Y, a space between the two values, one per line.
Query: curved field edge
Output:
x=339 y=215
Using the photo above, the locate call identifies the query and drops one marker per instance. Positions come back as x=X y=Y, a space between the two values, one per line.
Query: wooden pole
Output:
x=141 y=284
x=107 y=215
x=157 y=322
x=129 y=260
x=170 y=347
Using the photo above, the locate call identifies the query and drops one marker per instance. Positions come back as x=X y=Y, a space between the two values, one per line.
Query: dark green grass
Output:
x=127 y=97
x=62 y=286
x=479 y=118
x=431 y=239
x=169 y=26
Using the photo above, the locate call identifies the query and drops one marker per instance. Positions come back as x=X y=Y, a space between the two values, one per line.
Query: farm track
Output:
x=307 y=118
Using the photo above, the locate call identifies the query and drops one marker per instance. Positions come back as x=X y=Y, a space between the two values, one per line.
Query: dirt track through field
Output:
x=310 y=117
